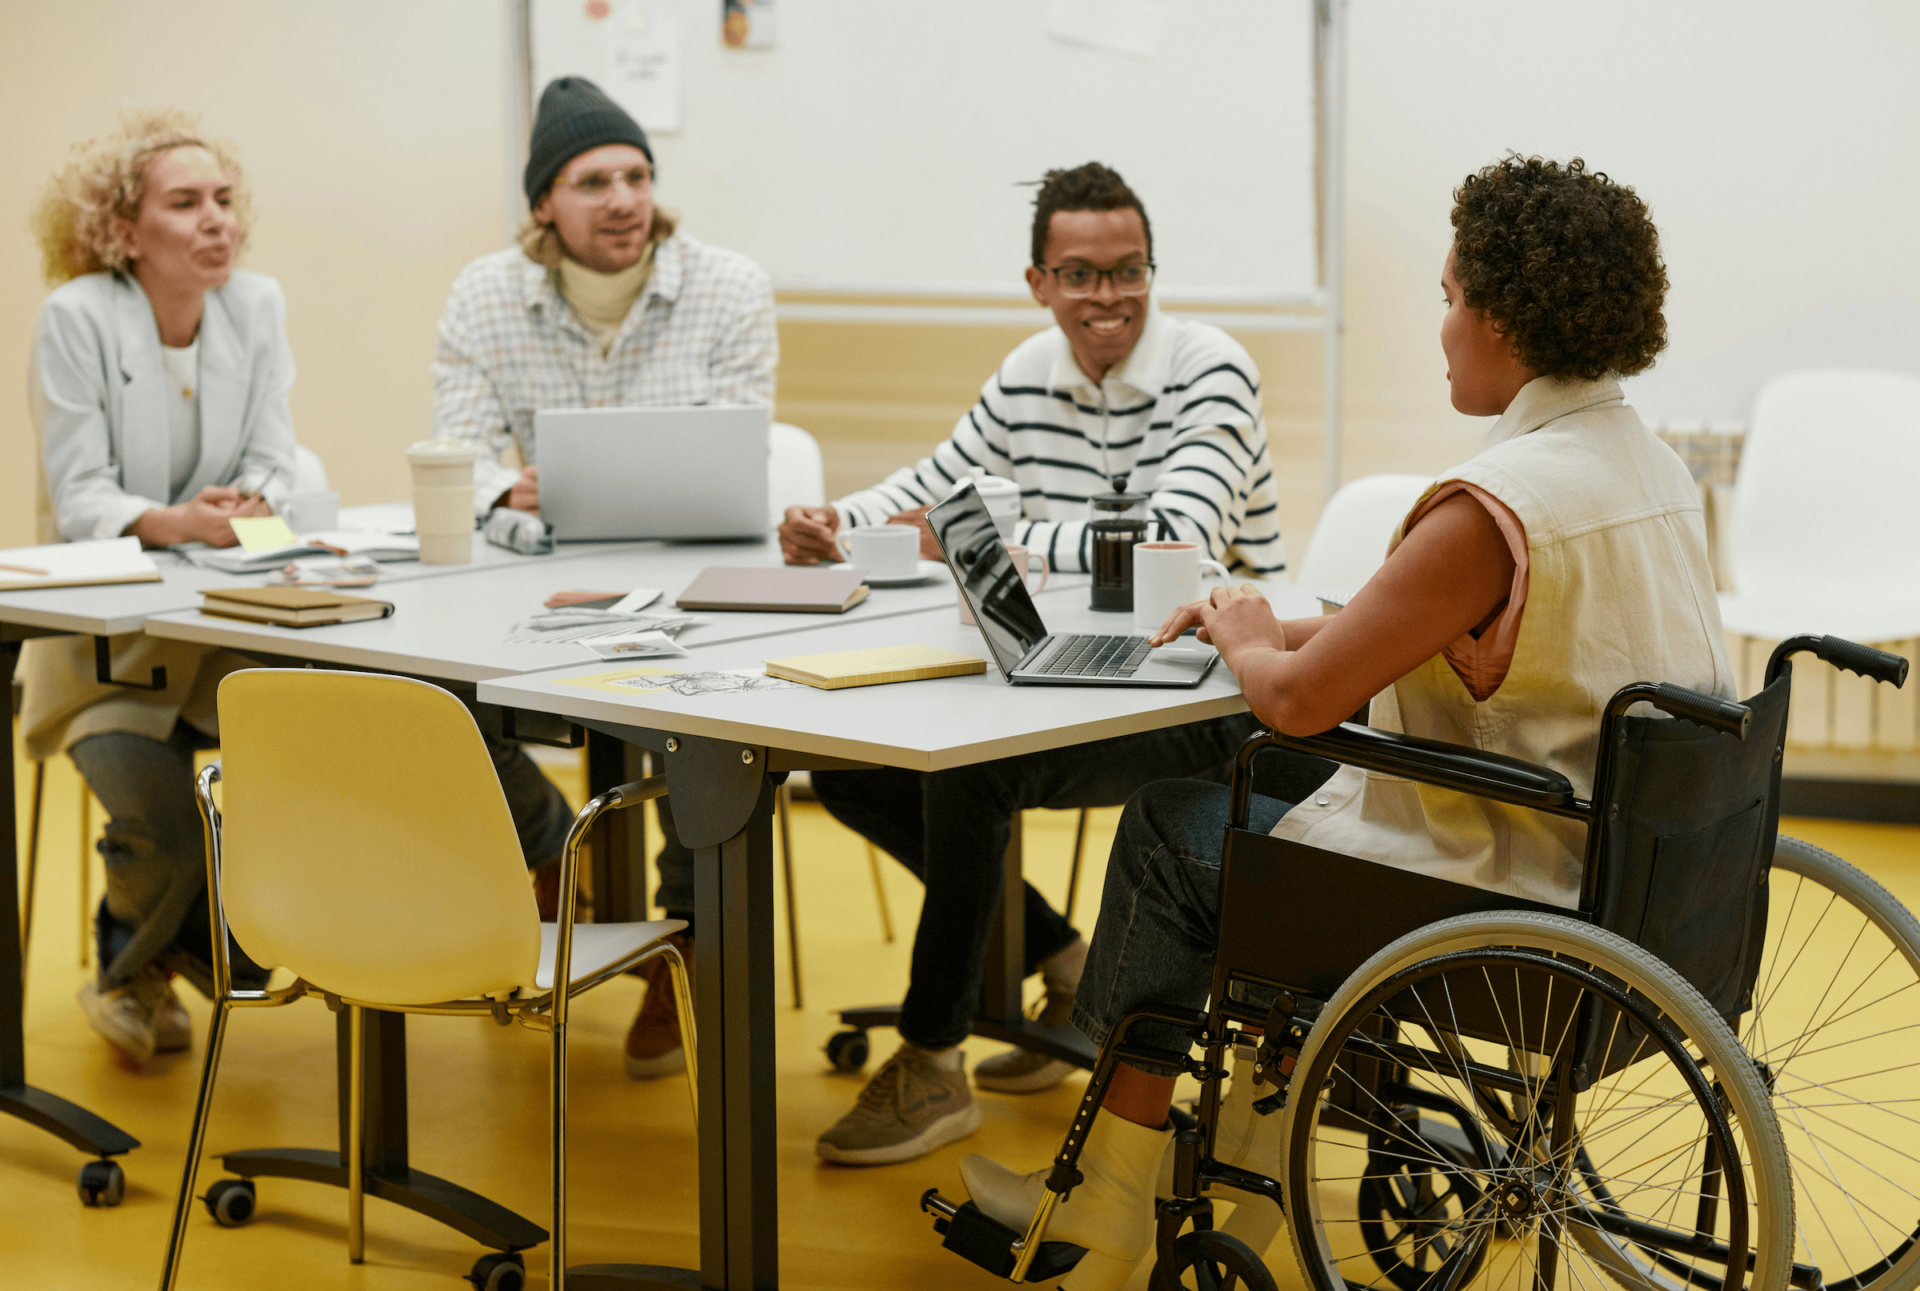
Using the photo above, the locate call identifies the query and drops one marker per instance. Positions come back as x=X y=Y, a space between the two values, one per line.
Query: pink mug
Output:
x=1023 y=561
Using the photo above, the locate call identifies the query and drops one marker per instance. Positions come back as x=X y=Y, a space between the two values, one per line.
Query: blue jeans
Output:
x=1160 y=912
x=155 y=853
x=950 y=828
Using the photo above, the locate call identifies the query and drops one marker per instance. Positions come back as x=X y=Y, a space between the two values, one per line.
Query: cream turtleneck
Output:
x=602 y=301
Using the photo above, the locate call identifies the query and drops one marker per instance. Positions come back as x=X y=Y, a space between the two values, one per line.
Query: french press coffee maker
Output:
x=1115 y=522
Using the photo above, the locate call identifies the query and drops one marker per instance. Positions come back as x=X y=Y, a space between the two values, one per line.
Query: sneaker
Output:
x=172 y=1027
x=654 y=1048
x=1023 y=1071
x=123 y=1017
x=910 y=1107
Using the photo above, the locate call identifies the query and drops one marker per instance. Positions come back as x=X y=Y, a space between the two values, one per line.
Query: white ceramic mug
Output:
x=443 y=500
x=309 y=512
x=1001 y=496
x=883 y=550
x=1166 y=575
x=1022 y=561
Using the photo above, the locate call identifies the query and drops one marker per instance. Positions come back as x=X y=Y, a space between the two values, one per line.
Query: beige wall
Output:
x=373 y=135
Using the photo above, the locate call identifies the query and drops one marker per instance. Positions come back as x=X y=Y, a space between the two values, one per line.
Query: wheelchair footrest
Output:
x=989 y=1243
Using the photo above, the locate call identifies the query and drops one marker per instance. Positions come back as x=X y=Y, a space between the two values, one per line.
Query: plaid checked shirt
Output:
x=510 y=345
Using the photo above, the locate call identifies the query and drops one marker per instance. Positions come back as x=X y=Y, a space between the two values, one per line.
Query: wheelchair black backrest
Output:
x=1686 y=823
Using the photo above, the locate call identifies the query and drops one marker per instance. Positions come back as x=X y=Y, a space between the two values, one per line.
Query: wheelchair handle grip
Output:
x=1716 y=714
x=1878 y=665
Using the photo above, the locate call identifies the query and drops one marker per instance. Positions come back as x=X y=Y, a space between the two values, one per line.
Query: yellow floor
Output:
x=478 y=1100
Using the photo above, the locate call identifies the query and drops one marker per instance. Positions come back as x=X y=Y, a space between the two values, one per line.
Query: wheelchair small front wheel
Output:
x=1206 y=1259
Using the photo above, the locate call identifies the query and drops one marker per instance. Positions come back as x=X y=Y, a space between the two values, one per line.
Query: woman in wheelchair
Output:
x=1564 y=561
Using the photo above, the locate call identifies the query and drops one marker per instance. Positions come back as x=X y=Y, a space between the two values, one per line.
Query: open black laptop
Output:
x=1022 y=648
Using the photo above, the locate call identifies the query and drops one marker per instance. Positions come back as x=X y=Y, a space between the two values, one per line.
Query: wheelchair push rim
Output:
x=1484 y=1018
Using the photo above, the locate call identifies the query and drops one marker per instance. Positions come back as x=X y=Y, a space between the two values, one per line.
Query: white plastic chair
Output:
x=1822 y=536
x=364 y=843
x=1350 y=543
x=796 y=474
x=309 y=472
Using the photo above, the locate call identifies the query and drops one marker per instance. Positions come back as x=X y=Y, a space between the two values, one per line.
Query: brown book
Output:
x=800 y=589
x=293 y=607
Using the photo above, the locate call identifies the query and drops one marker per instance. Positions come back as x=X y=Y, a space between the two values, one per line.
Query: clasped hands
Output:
x=202 y=518
x=1231 y=619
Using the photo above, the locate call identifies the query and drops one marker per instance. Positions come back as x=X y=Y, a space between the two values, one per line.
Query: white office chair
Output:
x=1822 y=532
x=309 y=472
x=796 y=475
x=1350 y=542
x=364 y=843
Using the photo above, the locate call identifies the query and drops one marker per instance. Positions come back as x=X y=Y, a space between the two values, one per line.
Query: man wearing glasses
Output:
x=1115 y=391
x=602 y=304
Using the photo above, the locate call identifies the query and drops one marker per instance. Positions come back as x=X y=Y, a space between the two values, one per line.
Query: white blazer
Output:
x=100 y=401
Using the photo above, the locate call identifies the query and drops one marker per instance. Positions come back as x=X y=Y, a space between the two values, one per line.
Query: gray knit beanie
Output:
x=574 y=116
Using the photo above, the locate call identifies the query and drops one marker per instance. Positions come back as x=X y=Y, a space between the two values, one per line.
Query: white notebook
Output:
x=76 y=564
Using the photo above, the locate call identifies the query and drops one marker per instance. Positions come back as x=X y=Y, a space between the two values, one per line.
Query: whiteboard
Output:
x=881 y=145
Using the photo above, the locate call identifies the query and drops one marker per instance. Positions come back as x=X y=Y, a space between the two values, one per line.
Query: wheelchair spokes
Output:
x=1836 y=1027
x=1458 y=1126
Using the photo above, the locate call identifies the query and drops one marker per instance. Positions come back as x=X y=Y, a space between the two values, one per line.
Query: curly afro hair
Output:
x=1567 y=264
x=1092 y=187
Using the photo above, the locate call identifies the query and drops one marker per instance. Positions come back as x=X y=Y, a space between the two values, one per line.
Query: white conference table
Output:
x=723 y=755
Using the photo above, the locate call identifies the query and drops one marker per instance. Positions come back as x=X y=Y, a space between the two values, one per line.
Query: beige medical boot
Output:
x=1110 y=1213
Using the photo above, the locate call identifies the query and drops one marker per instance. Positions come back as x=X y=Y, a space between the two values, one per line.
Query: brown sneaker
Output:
x=910 y=1107
x=653 y=1042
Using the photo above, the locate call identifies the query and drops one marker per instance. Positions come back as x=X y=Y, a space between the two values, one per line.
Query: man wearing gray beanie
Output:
x=603 y=303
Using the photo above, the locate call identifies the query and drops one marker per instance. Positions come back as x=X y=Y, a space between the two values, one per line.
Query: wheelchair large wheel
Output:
x=1837 y=1024
x=1656 y=1130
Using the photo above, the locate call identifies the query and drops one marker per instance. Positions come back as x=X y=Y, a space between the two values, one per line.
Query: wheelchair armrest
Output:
x=1435 y=762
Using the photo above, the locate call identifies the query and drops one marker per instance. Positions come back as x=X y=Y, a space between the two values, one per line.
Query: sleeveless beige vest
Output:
x=1619 y=591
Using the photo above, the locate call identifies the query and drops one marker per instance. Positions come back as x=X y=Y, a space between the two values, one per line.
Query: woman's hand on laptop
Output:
x=807 y=535
x=1230 y=619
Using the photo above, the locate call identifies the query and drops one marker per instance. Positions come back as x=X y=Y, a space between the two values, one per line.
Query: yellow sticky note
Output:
x=263 y=533
x=627 y=681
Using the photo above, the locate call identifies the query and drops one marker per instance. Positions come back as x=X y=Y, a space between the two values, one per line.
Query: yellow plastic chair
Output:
x=364 y=844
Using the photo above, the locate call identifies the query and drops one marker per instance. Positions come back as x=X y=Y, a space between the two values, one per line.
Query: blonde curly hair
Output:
x=106 y=179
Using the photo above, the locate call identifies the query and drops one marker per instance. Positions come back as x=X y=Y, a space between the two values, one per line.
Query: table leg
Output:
x=617 y=851
x=723 y=808
x=50 y=1112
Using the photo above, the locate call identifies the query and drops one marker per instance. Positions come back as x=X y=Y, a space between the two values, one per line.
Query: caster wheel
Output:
x=1208 y=1260
x=506 y=1272
x=847 y=1050
x=102 y=1183
x=230 y=1202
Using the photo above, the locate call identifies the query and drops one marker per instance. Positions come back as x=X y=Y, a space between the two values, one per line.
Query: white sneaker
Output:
x=172 y=1027
x=123 y=1017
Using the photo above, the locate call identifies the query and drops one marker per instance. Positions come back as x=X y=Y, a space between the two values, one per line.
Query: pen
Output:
x=24 y=569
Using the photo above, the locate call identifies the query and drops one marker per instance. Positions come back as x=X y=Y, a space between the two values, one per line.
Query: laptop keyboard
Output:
x=1089 y=655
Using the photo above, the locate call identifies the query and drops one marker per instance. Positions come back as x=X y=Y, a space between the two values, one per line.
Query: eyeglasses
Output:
x=599 y=183
x=1084 y=280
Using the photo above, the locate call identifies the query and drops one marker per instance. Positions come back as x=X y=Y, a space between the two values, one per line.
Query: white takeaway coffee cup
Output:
x=1166 y=575
x=1001 y=496
x=443 y=500
x=882 y=550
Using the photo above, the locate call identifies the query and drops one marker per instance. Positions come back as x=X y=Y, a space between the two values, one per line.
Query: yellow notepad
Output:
x=844 y=668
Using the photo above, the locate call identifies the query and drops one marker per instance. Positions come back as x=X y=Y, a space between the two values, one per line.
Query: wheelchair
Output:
x=1704 y=1077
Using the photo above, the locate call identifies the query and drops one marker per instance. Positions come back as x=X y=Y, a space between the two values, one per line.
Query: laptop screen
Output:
x=993 y=587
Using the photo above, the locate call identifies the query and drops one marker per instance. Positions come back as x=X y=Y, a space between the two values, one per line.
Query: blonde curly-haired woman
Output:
x=158 y=384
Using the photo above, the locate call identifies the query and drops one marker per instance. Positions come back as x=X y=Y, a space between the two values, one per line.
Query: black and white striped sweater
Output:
x=1180 y=419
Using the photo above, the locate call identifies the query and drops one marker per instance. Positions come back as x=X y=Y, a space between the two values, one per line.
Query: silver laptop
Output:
x=1022 y=648
x=626 y=473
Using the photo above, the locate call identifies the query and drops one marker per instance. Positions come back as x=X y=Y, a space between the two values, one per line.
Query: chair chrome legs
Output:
x=880 y=895
x=783 y=799
x=557 y=1144
x=356 y=1133
x=196 y=1144
x=33 y=872
x=683 y=1005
